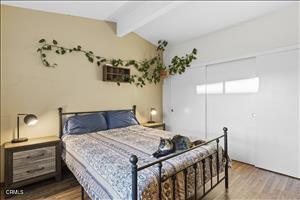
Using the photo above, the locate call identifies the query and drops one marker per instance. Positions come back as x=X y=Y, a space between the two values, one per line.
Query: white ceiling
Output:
x=90 y=9
x=195 y=19
x=174 y=21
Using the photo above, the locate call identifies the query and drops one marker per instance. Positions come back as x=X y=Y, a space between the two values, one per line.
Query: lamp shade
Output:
x=30 y=119
x=153 y=111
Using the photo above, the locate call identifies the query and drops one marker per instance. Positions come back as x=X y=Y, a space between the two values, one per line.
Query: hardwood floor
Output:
x=249 y=182
x=245 y=182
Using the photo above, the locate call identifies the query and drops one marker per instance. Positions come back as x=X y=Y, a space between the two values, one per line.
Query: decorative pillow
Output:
x=85 y=124
x=119 y=119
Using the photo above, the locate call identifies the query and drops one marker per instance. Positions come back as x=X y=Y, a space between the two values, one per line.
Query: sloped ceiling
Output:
x=174 y=21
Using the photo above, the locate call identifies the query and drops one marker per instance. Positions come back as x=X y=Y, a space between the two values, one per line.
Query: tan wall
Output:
x=75 y=84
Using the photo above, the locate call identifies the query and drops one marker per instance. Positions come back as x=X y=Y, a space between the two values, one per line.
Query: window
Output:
x=213 y=88
x=250 y=85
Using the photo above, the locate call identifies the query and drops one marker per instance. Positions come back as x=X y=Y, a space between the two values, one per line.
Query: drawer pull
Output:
x=35 y=170
x=39 y=155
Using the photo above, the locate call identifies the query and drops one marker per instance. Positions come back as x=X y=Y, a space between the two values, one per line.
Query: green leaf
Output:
x=42 y=40
x=45 y=62
x=91 y=59
x=194 y=51
x=98 y=63
x=43 y=55
x=57 y=51
x=62 y=50
x=39 y=49
x=98 y=57
x=54 y=42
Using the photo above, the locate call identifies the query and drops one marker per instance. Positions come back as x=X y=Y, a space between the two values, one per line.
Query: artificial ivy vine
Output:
x=150 y=70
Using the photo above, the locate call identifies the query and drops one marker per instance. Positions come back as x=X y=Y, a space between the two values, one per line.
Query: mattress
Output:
x=100 y=162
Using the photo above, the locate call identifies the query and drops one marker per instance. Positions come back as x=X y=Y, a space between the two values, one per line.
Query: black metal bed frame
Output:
x=135 y=168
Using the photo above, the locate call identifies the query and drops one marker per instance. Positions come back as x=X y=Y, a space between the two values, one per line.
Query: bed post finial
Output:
x=133 y=159
x=134 y=109
x=60 y=121
x=226 y=156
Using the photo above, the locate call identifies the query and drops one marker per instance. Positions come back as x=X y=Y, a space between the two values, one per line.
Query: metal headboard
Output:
x=61 y=113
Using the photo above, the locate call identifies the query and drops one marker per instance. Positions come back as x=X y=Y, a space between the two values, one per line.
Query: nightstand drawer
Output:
x=34 y=169
x=24 y=158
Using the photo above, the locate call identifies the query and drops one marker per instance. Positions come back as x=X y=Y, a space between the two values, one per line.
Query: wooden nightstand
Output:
x=158 y=125
x=32 y=161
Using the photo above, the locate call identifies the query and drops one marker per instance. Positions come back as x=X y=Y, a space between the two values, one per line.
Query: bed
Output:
x=118 y=164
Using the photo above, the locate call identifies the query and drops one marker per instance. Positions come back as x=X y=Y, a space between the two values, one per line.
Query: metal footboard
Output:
x=209 y=158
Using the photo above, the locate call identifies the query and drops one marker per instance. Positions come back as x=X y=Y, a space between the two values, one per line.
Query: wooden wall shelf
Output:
x=116 y=74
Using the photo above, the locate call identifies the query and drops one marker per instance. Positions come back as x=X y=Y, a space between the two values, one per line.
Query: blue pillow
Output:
x=85 y=124
x=119 y=119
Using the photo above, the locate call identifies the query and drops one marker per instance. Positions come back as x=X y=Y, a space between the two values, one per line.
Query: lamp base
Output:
x=150 y=122
x=16 y=140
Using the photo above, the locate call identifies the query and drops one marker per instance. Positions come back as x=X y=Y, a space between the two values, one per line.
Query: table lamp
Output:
x=29 y=120
x=152 y=113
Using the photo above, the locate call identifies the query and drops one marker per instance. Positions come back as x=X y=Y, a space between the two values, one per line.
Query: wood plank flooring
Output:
x=245 y=182
x=249 y=182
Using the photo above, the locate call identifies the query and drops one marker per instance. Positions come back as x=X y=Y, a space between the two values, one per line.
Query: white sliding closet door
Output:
x=184 y=109
x=231 y=91
x=277 y=141
x=256 y=98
